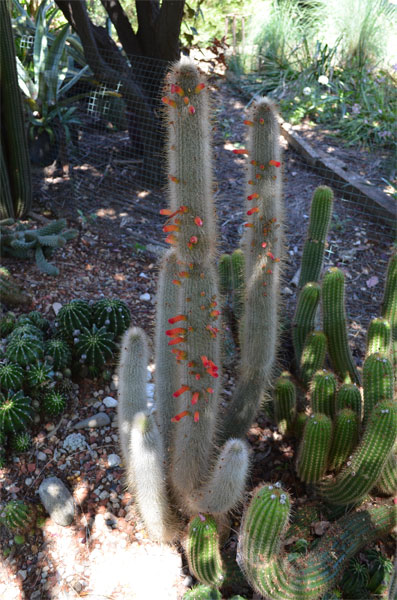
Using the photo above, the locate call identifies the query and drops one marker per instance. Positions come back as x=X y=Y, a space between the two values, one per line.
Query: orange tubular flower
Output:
x=248 y=225
x=196 y=416
x=199 y=87
x=179 y=416
x=240 y=151
x=182 y=390
x=177 y=319
x=168 y=228
x=247 y=122
x=274 y=163
x=169 y=101
x=195 y=398
x=198 y=221
x=177 y=340
x=186 y=100
x=173 y=178
x=170 y=239
x=215 y=313
x=253 y=196
x=253 y=210
x=176 y=89
x=191 y=110
x=176 y=282
x=253 y=162
x=176 y=331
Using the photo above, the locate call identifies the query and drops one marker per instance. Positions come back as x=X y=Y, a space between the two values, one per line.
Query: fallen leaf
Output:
x=372 y=281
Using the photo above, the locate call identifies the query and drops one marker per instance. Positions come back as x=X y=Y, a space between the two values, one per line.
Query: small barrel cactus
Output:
x=26 y=330
x=53 y=403
x=15 y=412
x=11 y=376
x=73 y=317
x=7 y=324
x=24 y=350
x=18 y=516
x=202 y=549
x=95 y=346
x=59 y=352
x=112 y=314
x=39 y=375
x=20 y=442
x=38 y=320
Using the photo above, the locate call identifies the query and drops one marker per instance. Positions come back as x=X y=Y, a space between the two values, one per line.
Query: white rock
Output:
x=144 y=296
x=57 y=500
x=99 y=420
x=110 y=402
x=56 y=307
x=41 y=456
x=114 y=460
x=103 y=495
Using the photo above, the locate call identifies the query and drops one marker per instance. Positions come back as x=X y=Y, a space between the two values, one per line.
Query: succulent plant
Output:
x=284 y=400
x=21 y=441
x=344 y=438
x=322 y=393
x=73 y=317
x=304 y=318
x=15 y=412
x=378 y=382
x=7 y=324
x=202 y=549
x=95 y=346
x=39 y=375
x=57 y=350
x=53 y=402
x=313 y=356
x=24 y=350
x=36 y=319
x=202 y=592
x=112 y=314
x=26 y=329
x=314 y=448
x=18 y=516
x=389 y=305
x=11 y=293
x=11 y=376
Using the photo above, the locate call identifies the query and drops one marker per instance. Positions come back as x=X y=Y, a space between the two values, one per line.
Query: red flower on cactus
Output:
x=253 y=196
x=182 y=390
x=168 y=228
x=195 y=398
x=191 y=110
x=175 y=332
x=193 y=239
x=179 y=416
x=240 y=151
x=186 y=100
x=254 y=162
x=198 y=221
x=262 y=121
x=210 y=366
x=253 y=210
x=196 y=416
x=173 y=178
x=176 y=319
x=249 y=123
x=177 y=340
x=168 y=101
x=274 y=163
x=199 y=87
x=176 y=89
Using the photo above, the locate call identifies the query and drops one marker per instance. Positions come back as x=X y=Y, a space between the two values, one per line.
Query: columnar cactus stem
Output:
x=387 y=482
x=272 y=575
x=262 y=246
x=366 y=464
x=313 y=355
x=334 y=322
x=314 y=448
x=284 y=402
x=344 y=438
x=237 y=272
x=378 y=382
x=202 y=550
x=379 y=337
x=348 y=396
x=313 y=250
x=304 y=317
x=389 y=305
x=323 y=392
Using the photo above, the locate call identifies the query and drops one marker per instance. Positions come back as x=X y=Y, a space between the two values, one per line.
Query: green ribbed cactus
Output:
x=314 y=448
x=313 y=356
x=73 y=317
x=95 y=346
x=21 y=442
x=344 y=438
x=184 y=456
x=284 y=401
x=334 y=324
x=39 y=375
x=11 y=376
x=24 y=350
x=389 y=305
x=26 y=330
x=313 y=250
x=378 y=382
x=58 y=352
x=322 y=393
x=269 y=572
x=299 y=424
x=304 y=318
x=202 y=550
x=387 y=482
x=368 y=460
x=15 y=177
x=18 y=516
x=53 y=402
x=37 y=319
x=113 y=314
x=348 y=396
x=379 y=337
x=7 y=324
x=15 y=412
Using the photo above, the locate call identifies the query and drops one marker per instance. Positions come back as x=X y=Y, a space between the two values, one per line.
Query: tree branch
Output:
x=127 y=36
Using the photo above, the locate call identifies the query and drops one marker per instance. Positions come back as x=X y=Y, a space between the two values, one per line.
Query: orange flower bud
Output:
x=250 y=123
x=191 y=110
x=173 y=178
x=186 y=100
x=195 y=398
x=177 y=340
x=253 y=210
x=176 y=331
x=199 y=87
x=182 y=390
x=253 y=196
x=168 y=228
x=196 y=416
x=274 y=163
x=170 y=239
x=179 y=416
x=198 y=221
x=240 y=151
x=193 y=239
x=176 y=89
x=177 y=319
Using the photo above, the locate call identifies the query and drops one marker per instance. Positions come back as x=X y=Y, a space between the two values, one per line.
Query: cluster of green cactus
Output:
x=18 y=516
x=21 y=242
x=185 y=458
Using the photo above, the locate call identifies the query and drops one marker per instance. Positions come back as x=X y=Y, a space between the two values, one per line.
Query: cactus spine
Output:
x=304 y=317
x=271 y=574
x=284 y=403
x=334 y=322
x=314 y=448
x=262 y=247
x=313 y=250
x=202 y=549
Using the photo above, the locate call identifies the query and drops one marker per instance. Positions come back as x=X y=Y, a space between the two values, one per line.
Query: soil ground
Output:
x=106 y=552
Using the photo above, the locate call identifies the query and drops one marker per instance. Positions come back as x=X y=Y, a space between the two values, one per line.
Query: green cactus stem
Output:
x=389 y=304
x=18 y=516
x=271 y=574
x=112 y=314
x=367 y=462
x=15 y=412
x=349 y=396
x=313 y=356
x=203 y=592
x=202 y=550
x=53 y=403
x=73 y=317
x=387 y=482
x=379 y=337
x=21 y=442
x=299 y=424
x=58 y=351
x=237 y=272
x=304 y=318
x=24 y=350
x=95 y=346
x=302 y=521
x=284 y=400
x=314 y=448
x=11 y=376
x=146 y=476
x=225 y=274
x=378 y=382
x=323 y=392
x=7 y=324
x=263 y=247
x=334 y=323
x=344 y=438
x=313 y=250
